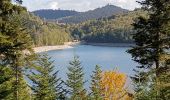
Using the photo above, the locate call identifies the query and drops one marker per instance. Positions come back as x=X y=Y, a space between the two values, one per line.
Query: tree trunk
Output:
x=157 y=80
x=16 y=79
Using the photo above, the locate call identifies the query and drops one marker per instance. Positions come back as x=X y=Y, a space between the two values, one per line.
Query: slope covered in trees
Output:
x=42 y=32
x=54 y=14
x=115 y=29
x=102 y=12
x=151 y=52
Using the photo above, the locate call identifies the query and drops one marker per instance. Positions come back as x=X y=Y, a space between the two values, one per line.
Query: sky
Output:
x=78 y=5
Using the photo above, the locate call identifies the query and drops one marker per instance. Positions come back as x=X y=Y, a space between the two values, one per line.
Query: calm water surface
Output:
x=107 y=57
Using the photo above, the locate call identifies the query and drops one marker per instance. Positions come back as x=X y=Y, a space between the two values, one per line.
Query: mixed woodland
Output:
x=148 y=28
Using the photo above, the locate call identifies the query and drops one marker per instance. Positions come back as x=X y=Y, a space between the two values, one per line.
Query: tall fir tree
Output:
x=7 y=90
x=14 y=39
x=96 y=90
x=5 y=77
x=75 y=81
x=152 y=40
x=46 y=84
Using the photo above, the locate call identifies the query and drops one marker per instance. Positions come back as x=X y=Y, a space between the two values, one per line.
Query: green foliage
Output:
x=14 y=40
x=51 y=14
x=97 y=13
x=7 y=85
x=96 y=91
x=115 y=29
x=145 y=86
x=152 y=46
x=75 y=80
x=24 y=92
x=5 y=76
x=165 y=80
x=42 y=32
x=46 y=84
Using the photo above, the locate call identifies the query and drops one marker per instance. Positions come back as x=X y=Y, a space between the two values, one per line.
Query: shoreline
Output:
x=66 y=45
x=111 y=44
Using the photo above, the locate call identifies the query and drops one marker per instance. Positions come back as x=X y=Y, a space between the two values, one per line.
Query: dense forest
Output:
x=43 y=32
x=115 y=29
x=102 y=12
x=54 y=14
x=151 y=80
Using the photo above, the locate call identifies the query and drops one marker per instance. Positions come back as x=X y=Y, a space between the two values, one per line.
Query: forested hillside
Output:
x=105 y=11
x=42 y=32
x=115 y=29
x=54 y=14
x=34 y=76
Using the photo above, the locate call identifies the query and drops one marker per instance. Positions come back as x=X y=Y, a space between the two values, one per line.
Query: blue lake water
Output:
x=107 y=57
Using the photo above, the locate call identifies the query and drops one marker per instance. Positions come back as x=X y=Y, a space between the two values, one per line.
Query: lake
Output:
x=108 y=58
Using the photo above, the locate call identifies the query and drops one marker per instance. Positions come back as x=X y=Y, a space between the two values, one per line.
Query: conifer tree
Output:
x=96 y=90
x=7 y=90
x=5 y=76
x=46 y=84
x=13 y=41
x=75 y=80
x=152 y=44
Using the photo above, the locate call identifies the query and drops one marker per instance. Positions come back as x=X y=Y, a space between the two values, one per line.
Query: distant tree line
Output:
x=115 y=29
x=43 y=32
x=50 y=14
x=151 y=81
x=103 y=12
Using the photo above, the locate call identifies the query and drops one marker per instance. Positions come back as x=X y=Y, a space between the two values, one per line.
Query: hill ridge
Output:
x=78 y=17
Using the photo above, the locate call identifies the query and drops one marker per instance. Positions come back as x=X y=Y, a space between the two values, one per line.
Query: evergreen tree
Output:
x=165 y=80
x=5 y=76
x=46 y=84
x=75 y=80
x=96 y=90
x=7 y=90
x=152 y=44
x=13 y=41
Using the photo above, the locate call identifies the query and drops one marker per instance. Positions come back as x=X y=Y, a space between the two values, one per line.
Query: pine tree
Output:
x=5 y=76
x=75 y=80
x=46 y=84
x=152 y=44
x=96 y=90
x=7 y=90
x=13 y=41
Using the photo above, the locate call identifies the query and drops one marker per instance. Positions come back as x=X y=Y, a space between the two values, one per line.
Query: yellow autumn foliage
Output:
x=113 y=85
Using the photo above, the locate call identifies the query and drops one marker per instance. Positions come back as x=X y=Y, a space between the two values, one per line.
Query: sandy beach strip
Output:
x=50 y=48
x=66 y=45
